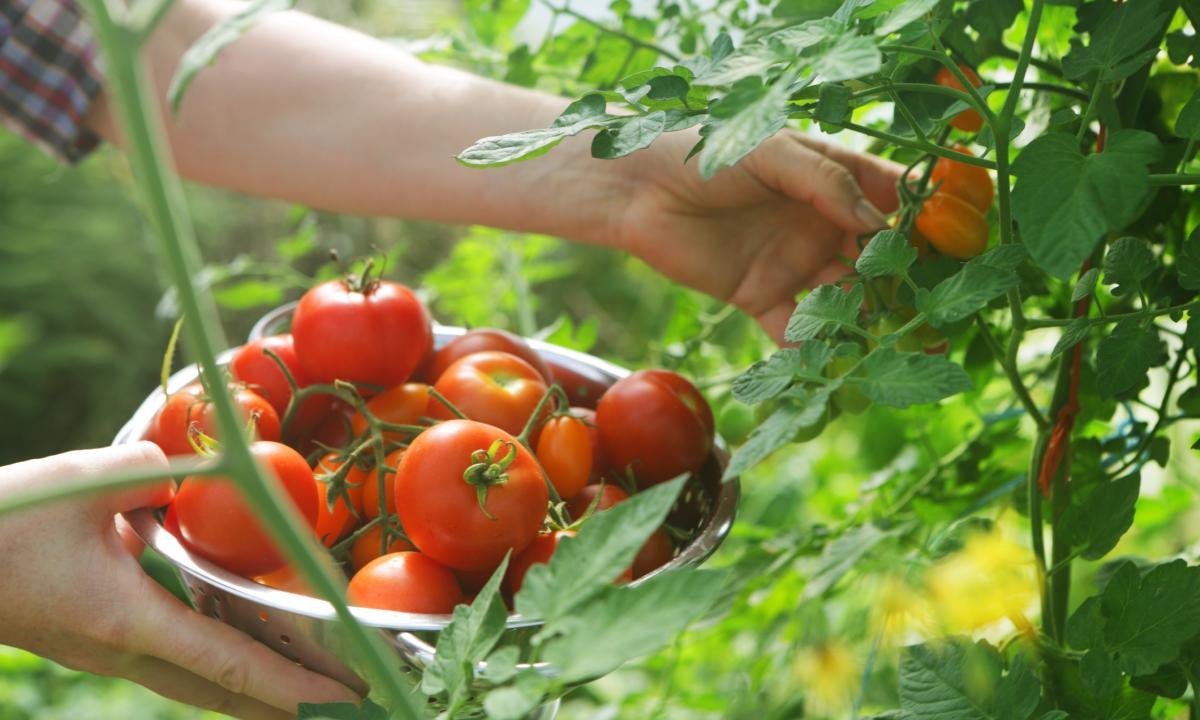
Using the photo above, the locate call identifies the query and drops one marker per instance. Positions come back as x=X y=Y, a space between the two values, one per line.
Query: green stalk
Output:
x=163 y=198
x=94 y=484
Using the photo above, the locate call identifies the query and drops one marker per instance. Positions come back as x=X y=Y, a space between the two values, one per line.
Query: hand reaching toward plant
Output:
x=73 y=593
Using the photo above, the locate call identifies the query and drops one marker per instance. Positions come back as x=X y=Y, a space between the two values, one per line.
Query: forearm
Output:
x=304 y=110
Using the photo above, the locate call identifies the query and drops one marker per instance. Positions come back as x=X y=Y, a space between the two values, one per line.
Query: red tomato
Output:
x=401 y=405
x=438 y=488
x=969 y=183
x=588 y=416
x=367 y=547
x=334 y=519
x=332 y=431
x=472 y=581
x=219 y=524
x=482 y=340
x=658 y=551
x=582 y=386
x=405 y=582
x=492 y=387
x=537 y=552
x=369 y=479
x=190 y=407
x=565 y=450
x=609 y=495
x=376 y=336
x=953 y=226
x=260 y=373
x=967 y=120
x=655 y=423
x=287 y=579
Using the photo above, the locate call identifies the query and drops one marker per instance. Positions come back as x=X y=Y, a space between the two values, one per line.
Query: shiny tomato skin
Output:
x=952 y=226
x=969 y=183
x=260 y=373
x=584 y=388
x=440 y=510
x=609 y=495
x=483 y=340
x=538 y=552
x=968 y=120
x=375 y=337
x=491 y=387
x=287 y=579
x=366 y=547
x=219 y=524
x=400 y=405
x=564 y=449
x=189 y=406
x=599 y=467
x=369 y=479
x=333 y=524
x=658 y=551
x=655 y=423
x=405 y=582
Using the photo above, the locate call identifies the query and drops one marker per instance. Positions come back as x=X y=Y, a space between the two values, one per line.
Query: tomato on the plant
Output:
x=335 y=516
x=218 y=522
x=367 y=547
x=735 y=421
x=369 y=479
x=492 y=387
x=190 y=407
x=405 y=582
x=655 y=423
x=565 y=450
x=969 y=183
x=484 y=340
x=848 y=398
x=658 y=551
x=468 y=492
x=953 y=226
x=968 y=120
x=375 y=334
x=401 y=405
x=608 y=493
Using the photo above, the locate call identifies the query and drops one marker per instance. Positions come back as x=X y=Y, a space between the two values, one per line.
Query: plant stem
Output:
x=631 y=39
x=929 y=148
x=1047 y=87
x=1014 y=377
x=1087 y=113
x=1158 y=179
x=977 y=101
x=1035 y=323
x=93 y=484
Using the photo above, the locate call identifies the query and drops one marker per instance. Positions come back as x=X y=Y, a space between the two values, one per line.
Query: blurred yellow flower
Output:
x=899 y=611
x=830 y=674
x=989 y=580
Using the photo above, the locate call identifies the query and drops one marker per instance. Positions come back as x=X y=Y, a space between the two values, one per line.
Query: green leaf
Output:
x=469 y=637
x=992 y=17
x=1187 y=125
x=626 y=135
x=515 y=702
x=1124 y=356
x=888 y=253
x=1117 y=46
x=248 y=294
x=1075 y=332
x=1147 y=618
x=1187 y=262
x=964 y=293
x=841 y=555
x=586 y=564
x=1086 y=285
x=753 y=60
x=627 y=622
x=822 y=310
x=1066 y=202
x=1099 y=514
x=960 y=681
x=501 y=666
x=800 y=37
x=729 y=139
x=768 y=378
x=204 y=51
x=341 y=711
x=903 y=379
x=583 y=114
x=908 y=12
x=1129 y=261
x=778 y=430
x=849 y=57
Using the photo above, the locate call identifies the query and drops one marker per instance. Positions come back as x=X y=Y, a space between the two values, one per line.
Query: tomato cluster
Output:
x=425 y=467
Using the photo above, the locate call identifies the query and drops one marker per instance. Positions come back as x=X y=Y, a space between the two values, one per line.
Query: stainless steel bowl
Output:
x=305 y=629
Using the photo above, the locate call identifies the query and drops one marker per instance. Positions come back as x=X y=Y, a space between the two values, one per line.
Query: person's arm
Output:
x=307 y=111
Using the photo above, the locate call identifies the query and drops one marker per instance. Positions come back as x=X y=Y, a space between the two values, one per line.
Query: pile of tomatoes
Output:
x=421 y=469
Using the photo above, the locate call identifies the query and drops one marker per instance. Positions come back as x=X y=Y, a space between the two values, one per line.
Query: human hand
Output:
x=71 y=592
x=758 y=233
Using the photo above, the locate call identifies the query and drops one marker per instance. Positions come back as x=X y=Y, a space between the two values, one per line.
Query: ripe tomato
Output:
x=369 y=479
x=401 y=405
x=219 y=524
x=492 y=387
x=609 y=495
x=969 y=183
x=658 y=551
x=190 y=407
x=968 y=120
x=447 y=472
x=588 y=416
x=656 y=423
x=367 y=547
x=483 y=340
x=375 y=336
x=953 y=226
x=331 y=431
x=536 y=553
x=565 y=450
x=260 y=373
x=287 y=579
x=334 y=519
x=405 y=582
x=583 y=386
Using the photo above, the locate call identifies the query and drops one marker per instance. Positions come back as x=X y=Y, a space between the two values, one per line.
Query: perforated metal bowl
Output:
x=305 y=629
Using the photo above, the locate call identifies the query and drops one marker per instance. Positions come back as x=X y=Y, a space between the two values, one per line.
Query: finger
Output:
x=141 y=455
x=178 y=684
x=813 y=178
x=878 y=177
x=228 y=657
x=129 y=538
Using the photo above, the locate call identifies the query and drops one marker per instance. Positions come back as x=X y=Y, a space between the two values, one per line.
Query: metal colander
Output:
x=305 y=629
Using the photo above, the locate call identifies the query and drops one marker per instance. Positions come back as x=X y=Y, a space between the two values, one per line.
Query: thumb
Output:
x=155 y=492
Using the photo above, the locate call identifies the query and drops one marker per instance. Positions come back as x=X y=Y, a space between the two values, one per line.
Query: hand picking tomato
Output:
x=968 y=120
x=969 y=183
x=190 y=407
x=369 y=479
x=609 y=495
x=565 y=450
x=483 y=340
x=368 y=547
x=260 y=373
x=953 y=226
x=405 y=582
x=365 y=331
x=218 y=522
x=492 y=387
x=401 y=405
x=335 y=515
x=655 y=423
x=468 y=492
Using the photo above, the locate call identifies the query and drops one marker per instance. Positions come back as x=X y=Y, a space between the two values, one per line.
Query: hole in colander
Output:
x=263 y=617
x=285 y=640
x=200 y=589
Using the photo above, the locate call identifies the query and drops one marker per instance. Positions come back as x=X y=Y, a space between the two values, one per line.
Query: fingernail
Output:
x=870 y=215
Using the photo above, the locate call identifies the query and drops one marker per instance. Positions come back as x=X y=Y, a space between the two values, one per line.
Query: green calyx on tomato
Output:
x=488 y=468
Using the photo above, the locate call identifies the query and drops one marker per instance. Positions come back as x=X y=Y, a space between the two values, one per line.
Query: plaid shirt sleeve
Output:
x=49 y=75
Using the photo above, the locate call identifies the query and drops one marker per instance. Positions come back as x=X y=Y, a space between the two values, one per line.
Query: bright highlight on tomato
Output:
x=405 y=582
